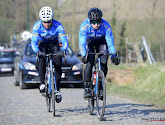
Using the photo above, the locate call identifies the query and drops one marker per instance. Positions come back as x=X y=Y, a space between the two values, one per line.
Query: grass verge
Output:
x=148 y=85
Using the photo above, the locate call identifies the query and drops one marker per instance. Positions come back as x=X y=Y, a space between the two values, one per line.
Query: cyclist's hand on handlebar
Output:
x=60 y=53
x=115 y=59
x=84 y=59
x=41 y=53
x=101 y=53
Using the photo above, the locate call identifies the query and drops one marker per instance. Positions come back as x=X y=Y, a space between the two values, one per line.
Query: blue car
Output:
x=7 y=60
x=26 y=74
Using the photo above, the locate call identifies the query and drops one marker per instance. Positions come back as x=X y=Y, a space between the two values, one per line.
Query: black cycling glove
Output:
x=41 y=53
x=115 y=59
x=60 y=53
x=84 y=59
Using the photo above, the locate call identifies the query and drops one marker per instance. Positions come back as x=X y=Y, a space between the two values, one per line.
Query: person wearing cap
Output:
x=95 y=34
x=45 y=36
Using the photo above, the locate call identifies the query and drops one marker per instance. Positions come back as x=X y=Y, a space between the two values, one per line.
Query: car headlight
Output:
x=77 y=66
x=29 y=66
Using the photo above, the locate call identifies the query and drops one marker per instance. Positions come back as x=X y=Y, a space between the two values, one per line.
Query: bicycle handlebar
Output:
x=101 y=54
x=51 y=54
x=54 y=54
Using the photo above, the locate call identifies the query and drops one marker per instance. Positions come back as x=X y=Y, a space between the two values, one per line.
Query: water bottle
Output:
x=94 y=78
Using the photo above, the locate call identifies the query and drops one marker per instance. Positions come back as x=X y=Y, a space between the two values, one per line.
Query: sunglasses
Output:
x=47 y=21
x=94 y=22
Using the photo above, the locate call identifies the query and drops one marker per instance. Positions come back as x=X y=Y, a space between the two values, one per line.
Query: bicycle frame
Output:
x=98 y=68
x=96 y=90
x=50 y=67
x=52 y=87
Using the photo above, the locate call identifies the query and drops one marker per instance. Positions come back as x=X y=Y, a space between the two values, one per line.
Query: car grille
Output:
x=7 y=65
x=1 y=63
x=66 y=69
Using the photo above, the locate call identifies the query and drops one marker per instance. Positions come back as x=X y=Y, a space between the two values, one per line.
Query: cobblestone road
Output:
x=28 y=107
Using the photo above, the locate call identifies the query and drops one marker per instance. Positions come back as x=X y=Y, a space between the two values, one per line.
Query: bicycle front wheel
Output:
x=48 y=100
x=47 y=93
x=101 y=95
x=53 y=92
x=91 y=102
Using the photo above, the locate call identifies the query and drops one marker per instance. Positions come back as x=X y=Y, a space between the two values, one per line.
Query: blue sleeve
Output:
x=34 y=43
x=110 y=40
x=82 y=40
x=63 y=37
x=35 y=36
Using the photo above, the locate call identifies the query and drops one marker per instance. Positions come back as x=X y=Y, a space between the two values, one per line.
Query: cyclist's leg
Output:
x=42 y=67
x=57 y=62
x=88 y=71
x=58 y=73
x=102 y=47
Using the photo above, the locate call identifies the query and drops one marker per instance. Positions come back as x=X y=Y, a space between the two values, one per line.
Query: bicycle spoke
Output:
x=101 y=96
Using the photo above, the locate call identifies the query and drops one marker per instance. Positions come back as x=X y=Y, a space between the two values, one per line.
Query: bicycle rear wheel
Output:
x=101 y=95
x=91 y=102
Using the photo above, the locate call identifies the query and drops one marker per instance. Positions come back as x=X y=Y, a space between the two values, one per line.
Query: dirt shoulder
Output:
x=121 y=77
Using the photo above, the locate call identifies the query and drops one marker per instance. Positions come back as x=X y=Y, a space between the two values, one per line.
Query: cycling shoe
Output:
x=42 y=88
x=58 y=97
x=87 y=93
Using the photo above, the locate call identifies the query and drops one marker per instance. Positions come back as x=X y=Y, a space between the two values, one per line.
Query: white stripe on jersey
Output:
x=36 y=26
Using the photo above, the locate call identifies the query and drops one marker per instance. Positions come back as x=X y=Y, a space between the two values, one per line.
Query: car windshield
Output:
x=29 y=50
x=6 y=54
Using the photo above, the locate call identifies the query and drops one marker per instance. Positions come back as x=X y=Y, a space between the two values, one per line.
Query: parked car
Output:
x=7 y=60
x=25 y=72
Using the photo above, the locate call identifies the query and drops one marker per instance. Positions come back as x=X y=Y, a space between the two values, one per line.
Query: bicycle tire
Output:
x=91 y=103
x=53 y=92
x=47 y=93
x=101 y=103
x=48 y=101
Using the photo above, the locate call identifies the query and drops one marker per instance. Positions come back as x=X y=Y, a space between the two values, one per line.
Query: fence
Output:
x=136 y=55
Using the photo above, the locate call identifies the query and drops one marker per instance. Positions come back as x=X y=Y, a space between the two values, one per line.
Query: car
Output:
x=7 y=60
x=26 y=73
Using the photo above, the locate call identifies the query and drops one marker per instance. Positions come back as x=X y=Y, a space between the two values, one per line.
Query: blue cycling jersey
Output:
x=87 y=31
x=48 y=35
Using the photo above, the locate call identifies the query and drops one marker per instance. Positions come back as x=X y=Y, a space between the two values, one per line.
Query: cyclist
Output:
x=44 y=38
x=95 y=34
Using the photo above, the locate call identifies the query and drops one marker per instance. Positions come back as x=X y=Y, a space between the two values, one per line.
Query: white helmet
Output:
x=26 y=35
x=46 y=14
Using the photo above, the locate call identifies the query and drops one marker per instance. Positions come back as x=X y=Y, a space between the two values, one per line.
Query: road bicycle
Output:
x=50 y=82
x=98 y=88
